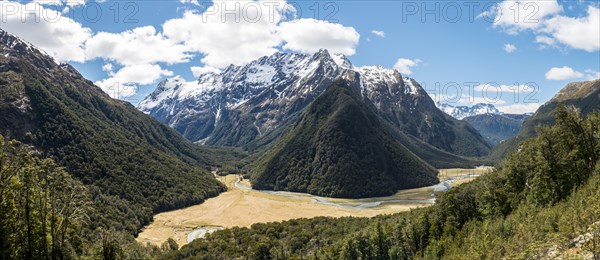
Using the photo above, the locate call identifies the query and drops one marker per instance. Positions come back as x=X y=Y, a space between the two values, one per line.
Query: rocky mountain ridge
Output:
x=242 y=104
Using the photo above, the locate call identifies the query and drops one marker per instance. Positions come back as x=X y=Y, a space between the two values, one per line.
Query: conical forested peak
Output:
x=340 y=148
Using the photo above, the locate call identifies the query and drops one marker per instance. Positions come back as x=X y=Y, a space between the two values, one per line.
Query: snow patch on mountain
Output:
x=410 y=88
x=461 y=112
x=378 y=75
x=268 y=90
x=175 y=88
x=12 y=41
x=342 y=61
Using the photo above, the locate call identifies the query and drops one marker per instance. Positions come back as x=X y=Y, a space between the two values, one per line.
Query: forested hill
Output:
x=542 y=204
x=133 y=165
x=339 y=148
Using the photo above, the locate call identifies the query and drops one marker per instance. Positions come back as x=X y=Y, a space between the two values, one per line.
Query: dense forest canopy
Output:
x=47 y=214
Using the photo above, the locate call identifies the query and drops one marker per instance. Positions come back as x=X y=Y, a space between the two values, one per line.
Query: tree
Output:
x=170 y=245
x=42 y=208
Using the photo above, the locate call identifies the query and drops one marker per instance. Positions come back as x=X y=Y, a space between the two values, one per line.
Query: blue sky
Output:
x=490 y=46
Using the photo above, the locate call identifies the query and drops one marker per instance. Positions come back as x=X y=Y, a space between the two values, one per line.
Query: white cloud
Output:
x=378 y=33
x=48 y=2
x=221 y=38
x=469 y=101
x=194 y=2
x=108 y=67
x=124 y=82
x=138 y=50
x=515 y=16
x=578 y=33
x=546 y=21
x=592 y=75
x=59 y=2
x=258 y=29
x=545 y=40
x=509 y=48
x=464 y=100
x=310 y=35
x=495 y=88
x=563 y=73
x=197 y=71
x=142 y=45
x=519 y=108
x=59 y=36
x=404 y=66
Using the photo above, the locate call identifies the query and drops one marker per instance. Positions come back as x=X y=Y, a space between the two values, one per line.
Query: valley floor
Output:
x=242 y=206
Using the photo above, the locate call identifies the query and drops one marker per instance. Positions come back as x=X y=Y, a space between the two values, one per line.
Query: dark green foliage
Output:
x=170 y=245
x=430 y=154
x=285 y=240
x=227 y=170
x=122 y=152
x=42 y=209
x=545 y=195
x=340 y=149
x=46 y=214
x=235 y=129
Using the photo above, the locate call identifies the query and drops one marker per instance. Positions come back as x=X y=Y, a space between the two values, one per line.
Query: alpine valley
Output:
x=318 y=158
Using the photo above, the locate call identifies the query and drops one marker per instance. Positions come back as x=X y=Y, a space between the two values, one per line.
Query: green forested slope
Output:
x=133 y=165
x=545 y=196
x=340 y=149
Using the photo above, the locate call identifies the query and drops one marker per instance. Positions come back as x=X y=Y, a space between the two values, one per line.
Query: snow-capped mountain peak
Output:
x=13 y=42
x=342 y=61
x=269 y=90
x=461 y=112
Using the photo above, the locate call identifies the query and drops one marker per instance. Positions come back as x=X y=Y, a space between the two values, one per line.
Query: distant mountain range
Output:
x=461 y=112
x=491 y=123
x=251 y=106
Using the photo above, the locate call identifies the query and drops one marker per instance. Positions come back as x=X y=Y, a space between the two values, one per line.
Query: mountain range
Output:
x=308 y=123
x=462 y=112
x=251 y=106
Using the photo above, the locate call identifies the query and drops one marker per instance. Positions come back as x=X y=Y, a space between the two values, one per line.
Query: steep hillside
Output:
x=134 y=165
x=496 y=128
x=339 y=148
x=583 y=96
x=242 y=104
